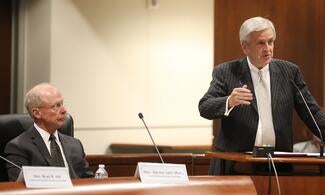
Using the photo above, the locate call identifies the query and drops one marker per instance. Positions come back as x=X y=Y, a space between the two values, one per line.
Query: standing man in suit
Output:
x=42 y=144
x=255 y=97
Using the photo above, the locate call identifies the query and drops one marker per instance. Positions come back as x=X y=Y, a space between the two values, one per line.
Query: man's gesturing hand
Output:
x=240 y=95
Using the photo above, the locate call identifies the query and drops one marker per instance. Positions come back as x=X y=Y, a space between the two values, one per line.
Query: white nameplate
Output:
x=46 y=177
x=161 y=173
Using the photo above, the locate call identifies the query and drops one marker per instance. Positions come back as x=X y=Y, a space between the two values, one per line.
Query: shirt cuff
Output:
x=227 y=111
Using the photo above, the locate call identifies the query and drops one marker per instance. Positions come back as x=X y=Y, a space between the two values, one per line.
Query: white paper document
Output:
x=296 y=154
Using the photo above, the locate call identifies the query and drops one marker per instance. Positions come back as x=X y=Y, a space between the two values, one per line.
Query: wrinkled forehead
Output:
x=265 y=34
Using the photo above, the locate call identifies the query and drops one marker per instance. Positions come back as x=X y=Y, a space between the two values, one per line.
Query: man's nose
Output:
x=63 y=109
x=267 y=47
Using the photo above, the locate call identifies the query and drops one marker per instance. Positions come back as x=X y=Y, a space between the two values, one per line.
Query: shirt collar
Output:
x=254 y=69
x=44 y=134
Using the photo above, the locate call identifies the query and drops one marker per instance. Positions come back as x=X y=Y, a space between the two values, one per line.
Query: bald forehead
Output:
x=43 y=87
x=47 y=90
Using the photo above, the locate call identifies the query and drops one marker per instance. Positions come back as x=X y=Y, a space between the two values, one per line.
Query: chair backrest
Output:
x=11 y=125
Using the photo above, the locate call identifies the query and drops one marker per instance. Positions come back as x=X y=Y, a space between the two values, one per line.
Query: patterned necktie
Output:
x=56 y=152
x=265 y=112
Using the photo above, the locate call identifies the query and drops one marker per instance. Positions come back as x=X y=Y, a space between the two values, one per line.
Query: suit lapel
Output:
x=247 y=79
x=275 y=75
x=37 y=140
x=65 y=147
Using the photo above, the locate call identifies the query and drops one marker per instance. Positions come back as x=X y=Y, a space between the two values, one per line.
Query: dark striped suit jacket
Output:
x=238 y=130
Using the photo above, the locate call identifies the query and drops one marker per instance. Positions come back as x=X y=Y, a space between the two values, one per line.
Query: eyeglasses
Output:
x=54 y=107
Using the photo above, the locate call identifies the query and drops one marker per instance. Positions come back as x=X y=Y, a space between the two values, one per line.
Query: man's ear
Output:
x=244 y=47
x=36 y=113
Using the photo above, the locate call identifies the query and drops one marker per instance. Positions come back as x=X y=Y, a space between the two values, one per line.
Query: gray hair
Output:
x=33 y=97
x=254 y=24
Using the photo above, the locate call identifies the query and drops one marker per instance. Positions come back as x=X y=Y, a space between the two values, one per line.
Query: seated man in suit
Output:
x=42 y=144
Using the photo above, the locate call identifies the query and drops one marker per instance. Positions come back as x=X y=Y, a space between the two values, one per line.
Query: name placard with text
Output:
x=46 y=177
x=161 y=173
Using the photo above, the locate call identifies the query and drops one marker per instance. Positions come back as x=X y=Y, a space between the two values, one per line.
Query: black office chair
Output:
x=11 y=125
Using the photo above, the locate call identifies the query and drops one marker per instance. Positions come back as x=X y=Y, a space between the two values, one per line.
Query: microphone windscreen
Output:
x=140 y=115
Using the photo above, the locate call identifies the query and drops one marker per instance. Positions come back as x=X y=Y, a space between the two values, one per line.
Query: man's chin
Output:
x=60 y=123
x=266 y=62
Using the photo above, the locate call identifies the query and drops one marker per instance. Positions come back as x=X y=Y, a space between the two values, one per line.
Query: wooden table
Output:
x=118 y=148
x=198 y=185
x=248 y=158
x=122 y=165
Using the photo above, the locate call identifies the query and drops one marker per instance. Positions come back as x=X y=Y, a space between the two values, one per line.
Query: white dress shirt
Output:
x=255 y=77
x=46 y=136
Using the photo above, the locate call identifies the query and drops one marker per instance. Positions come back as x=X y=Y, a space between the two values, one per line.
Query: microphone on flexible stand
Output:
x=5 y=159
x=141 y=117
x=321 y=149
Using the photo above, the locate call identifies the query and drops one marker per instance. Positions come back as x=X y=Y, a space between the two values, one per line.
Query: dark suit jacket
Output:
x=237 y=131
x=29 y=149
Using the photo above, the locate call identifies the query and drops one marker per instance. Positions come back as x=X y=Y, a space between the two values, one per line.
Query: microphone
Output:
x=321 y=149
x=141 y=117
x=5 y=159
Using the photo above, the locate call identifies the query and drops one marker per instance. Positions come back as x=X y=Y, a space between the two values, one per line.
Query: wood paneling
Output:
x=289 y=185
x=119 y=165
x=300 y=26
x=5 y=55
x=123 y=165
x=122 y=148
